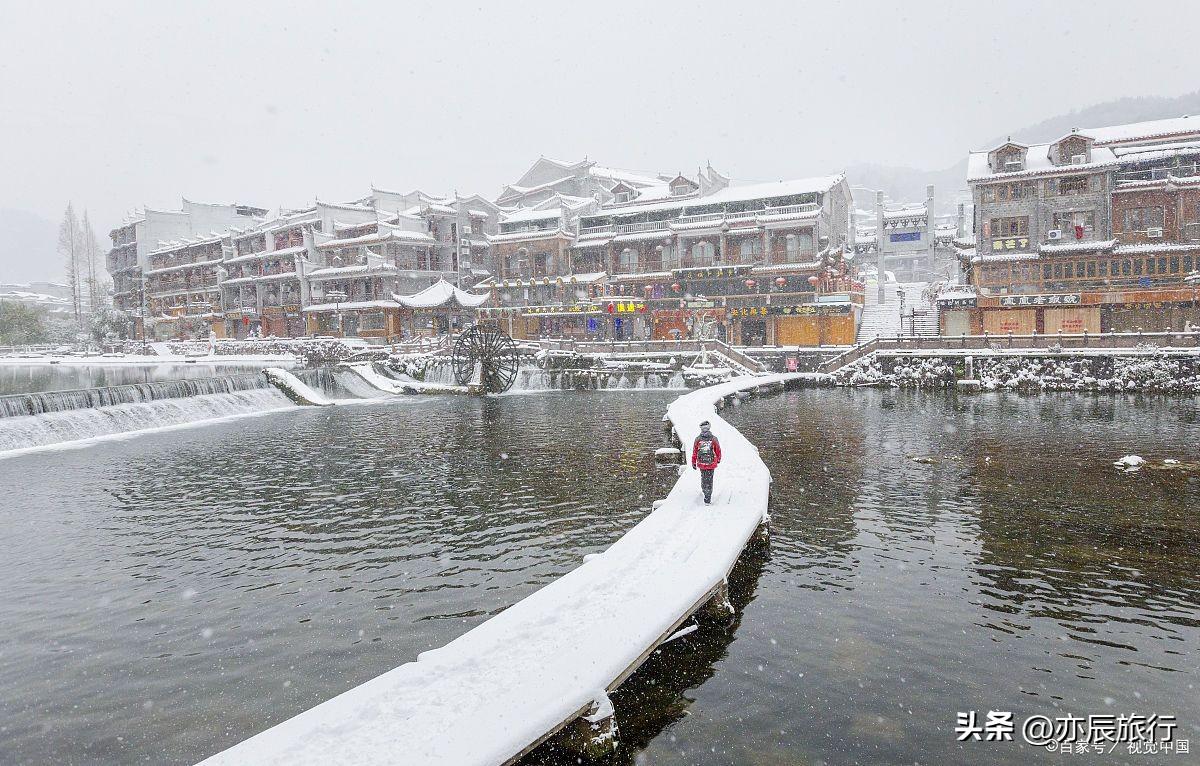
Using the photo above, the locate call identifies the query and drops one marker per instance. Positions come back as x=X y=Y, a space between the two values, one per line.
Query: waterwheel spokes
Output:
x=495 y=353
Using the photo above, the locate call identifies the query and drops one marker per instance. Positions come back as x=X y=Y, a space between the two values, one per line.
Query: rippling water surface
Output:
x=931 y=555
x=167 y=596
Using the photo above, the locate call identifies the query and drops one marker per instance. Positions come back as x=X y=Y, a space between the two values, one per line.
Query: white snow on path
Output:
x=484 y=697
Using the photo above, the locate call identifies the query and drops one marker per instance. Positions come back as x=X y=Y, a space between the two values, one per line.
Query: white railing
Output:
x=634 y=228
x=698 y=217
x=807 y=207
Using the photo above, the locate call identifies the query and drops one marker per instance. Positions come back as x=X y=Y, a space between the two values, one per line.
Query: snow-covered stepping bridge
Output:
x=551 y=660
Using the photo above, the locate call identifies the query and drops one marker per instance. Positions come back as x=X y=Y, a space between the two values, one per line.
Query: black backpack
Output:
x=705 y=453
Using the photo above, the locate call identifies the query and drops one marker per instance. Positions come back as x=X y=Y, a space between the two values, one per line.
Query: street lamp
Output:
x=338 y=296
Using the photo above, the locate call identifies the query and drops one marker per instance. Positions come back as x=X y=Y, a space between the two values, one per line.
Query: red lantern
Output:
x=813 y=280
x=781 y=281
x=611 y=307
x=750 y=284
x=676 y=287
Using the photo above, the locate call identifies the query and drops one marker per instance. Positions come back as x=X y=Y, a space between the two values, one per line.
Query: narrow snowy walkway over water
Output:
x=487 y=696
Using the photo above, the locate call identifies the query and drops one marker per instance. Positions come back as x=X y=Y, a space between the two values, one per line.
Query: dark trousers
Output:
x=706 y=476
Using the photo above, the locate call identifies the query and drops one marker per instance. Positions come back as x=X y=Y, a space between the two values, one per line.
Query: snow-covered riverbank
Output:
x=1166 y=374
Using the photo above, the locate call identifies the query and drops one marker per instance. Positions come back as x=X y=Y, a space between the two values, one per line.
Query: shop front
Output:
x=580 y=321
x=808 y=324
x=1077 y=313
x=689 y=320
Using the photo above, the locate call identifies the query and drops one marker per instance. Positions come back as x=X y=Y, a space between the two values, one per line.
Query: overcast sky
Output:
x=116 y=105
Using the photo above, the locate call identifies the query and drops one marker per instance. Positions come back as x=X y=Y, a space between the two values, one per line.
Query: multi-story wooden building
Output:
x=1094 y=232
x=287 y=276
x=686 y=257
x=183 y=291
x=150 y=231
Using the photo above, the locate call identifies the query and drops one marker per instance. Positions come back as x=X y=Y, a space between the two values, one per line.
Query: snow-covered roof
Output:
x=1170 y=182
x=441 y=293
x=1078 y=247
x=528 y=234
x=632 y=177
x=350 y=306
x=281 y=252
x=1140 y=131
x=957 y=292
x=335 y=272
x=739 y=193
x=1037 y=162
x=1152 y=247
x=387 y=234
x=600 y=242
x=911 y=212
x=1004 y=257
x=183 y=267
x=1106 y=151
x=532 y=214
x=1136 y=152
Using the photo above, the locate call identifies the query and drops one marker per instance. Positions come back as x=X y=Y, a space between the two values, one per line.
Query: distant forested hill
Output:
x=908 y=184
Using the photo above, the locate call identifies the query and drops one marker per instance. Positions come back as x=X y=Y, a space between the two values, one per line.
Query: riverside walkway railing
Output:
x=992 y=342
x=748 y=363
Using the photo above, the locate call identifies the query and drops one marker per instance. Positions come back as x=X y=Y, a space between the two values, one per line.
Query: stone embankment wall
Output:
x=1143 y=373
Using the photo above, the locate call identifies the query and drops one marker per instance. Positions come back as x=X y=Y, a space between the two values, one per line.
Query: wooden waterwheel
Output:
x=490 y=351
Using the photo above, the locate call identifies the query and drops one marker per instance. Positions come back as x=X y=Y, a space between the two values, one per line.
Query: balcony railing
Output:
x=807 y=207
x=1158 y=174
x=634 y=228
x=698 y=217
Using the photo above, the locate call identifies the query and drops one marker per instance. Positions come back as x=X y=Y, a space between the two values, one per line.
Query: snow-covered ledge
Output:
x=295 y=389
x=505 y=686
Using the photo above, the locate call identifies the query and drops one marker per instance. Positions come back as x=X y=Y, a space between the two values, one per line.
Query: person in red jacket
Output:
x=706 y=455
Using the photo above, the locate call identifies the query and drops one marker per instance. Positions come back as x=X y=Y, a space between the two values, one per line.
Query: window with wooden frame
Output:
x=1073 y=185
x=1012 y=226
x=1139 y=219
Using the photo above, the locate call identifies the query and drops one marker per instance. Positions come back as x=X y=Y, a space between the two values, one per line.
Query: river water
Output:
x=168 y=595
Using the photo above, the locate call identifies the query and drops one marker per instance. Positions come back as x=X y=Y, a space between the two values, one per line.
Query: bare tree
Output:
x=69 y=249
x=91 y=254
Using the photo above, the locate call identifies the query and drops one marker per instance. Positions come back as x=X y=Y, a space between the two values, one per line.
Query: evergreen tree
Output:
x=22 y=325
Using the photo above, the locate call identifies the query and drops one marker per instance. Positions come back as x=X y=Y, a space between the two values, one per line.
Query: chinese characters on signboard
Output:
x=1071 y=299
x=1011 y=243
x=956 y=303
x=805 y=310
x=713 y=272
